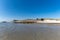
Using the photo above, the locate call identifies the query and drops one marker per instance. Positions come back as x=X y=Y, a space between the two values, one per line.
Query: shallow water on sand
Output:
x=12 y=31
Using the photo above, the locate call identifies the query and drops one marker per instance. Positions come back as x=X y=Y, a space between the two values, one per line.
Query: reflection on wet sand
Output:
x=30 y=32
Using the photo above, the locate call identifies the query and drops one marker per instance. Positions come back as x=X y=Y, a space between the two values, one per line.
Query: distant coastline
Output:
x=37 y=20
x=42 y=20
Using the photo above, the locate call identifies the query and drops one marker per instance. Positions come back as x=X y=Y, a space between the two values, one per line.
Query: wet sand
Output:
x=29 y=32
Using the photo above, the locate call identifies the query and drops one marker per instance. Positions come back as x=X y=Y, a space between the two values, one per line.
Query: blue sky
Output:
x=23 y=9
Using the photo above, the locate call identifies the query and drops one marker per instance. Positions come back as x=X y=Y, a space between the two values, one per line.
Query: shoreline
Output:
x=38 y=22
x=28 y=22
